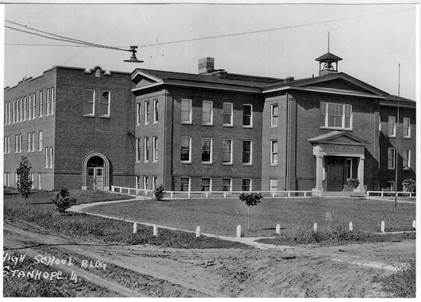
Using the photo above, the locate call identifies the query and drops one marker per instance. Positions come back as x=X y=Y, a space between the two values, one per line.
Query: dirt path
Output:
x=296 y=272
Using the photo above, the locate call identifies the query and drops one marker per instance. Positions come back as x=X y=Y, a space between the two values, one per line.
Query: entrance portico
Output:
x=337 y=153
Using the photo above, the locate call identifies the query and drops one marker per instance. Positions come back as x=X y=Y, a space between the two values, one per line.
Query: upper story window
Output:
x=406 y=127
x=137 y=149
x=49 y=157
x=392 y=126
x=155 y=111
x=248 y=115
x=41 y=103
x=145 y=149
x=138 y=113
x=227 y=114
x=155 y=149
x=40 y=140
x=21 y=110
x=146 y=112
x=274 y=113
x=186 y=111
x=185 y=150
x=247 y=152
x=104 y=103
x=34 y=105
x=227 y=151
x=338 y=116
x=391 y=158
x=48 y=101
x=88 y=102
x=207 y=112
x=206 y=150
x=25 y=109
x=406 y=158
x=274 y=152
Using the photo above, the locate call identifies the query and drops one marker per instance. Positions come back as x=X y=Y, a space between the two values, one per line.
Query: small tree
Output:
x=409 y=185
x=23 y=172
x=250 y=199
x=159 y=192
x=63 y=201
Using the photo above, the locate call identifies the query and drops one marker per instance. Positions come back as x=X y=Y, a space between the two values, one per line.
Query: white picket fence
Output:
x=208 y=194
x=390 y=194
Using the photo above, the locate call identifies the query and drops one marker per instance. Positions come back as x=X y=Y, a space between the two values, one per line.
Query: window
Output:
x=137 y=149
x=138 y=113
x=154 y=182
x=226 y=184
x=391 y=158
x=227 y=114
x=155 y=111
x=146 y=149
x=104 y=104
x=185 y=149
x=335 y=115
x=206 y=184
x=39 y=181
x=146 y=112
x=247 y=152
x=348 y=168
x=29 y=107
x=145 y=182
x=7 y=179
x=5 y=145
x=88 y=102
x=34 y=106
x=41 y=103
x=184 y=184
x=49 y=158
x=246 y=184
x=273 y=152
x=274 y=113
x=406 y=159
x=48 y=101
x=9 y=113
x=273 y=185
x=40 y=140
x=52 y=101
x=247 y=116
x=186 y=111
x=33 y=181
x=206 y=150
x=154 y=148
x=137 y=180
x=28 y=141
x=392 y=126
x=25 y=108
x=390 y=185
x=16 y=143
x=207 y=112
x=227 y=151
x=406 y=127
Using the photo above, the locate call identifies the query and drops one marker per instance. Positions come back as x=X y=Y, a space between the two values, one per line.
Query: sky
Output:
x=371 y=39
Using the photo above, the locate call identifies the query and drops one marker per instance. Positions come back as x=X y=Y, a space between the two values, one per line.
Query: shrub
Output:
x=63 y=200
x=353 y=182
x=159 y=192
x=402 y=283
x=24 y=183
x=409 y=185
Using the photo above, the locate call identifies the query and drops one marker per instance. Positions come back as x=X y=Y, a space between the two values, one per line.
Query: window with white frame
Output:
x=273 y=152
x=207 y=113
x=137 y=149
x=145 y=182
x=247 y=115
x=406 y=127
x=155 y=149
x=33 y=142
x=227 y=151
x=146 y=149
x=40 y=140
x=206 y=184
x=227 y=109
x=146 y=112
x=247 y=152
x=88 y=102
x=246 y=184
x=20 y=142
x=7 y=179
x=185 y=150
x=48 y=101
x=274 y=114
x=155 y=111
x=391 y=158
x=406 y=156
x=53 y=100
x=207 y=150
x=392 y=126
x=104 y=109
x=138 y=113
x=273 y=185
x=30 y=107
x=186 y=111
x=185 y=184
x=39 y=181
x=137 y=182
x=334 y=115
x=20 y=110
x=32 y=181
x=41 y=103
x=34 y=105
x=28 y=141
x=226 y=184
x=154 y=182
x=49 y=157
x=16 y=143
x=5 y=145
x=25 y=108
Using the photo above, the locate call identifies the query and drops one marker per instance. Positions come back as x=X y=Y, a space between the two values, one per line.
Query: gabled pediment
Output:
x=142 y=78
x=339 y=138
x=342 y=84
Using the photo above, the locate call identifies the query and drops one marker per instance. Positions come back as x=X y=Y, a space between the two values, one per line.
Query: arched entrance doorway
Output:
x=95 y=172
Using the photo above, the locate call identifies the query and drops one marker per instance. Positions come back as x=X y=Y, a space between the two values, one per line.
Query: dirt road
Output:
x=346 y=271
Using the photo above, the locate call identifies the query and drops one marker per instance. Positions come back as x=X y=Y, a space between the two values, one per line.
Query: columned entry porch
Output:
x=339 y=157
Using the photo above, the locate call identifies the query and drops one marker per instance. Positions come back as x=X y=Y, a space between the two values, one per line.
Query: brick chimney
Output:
x=206 y=65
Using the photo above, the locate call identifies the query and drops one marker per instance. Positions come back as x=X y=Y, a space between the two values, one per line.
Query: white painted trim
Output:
x=146 y=75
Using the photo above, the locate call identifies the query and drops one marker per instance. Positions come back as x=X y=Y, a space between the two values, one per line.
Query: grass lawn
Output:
x=294 y=215
x=40 y=211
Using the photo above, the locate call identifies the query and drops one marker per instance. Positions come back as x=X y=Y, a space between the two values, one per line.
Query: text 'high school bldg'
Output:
x=210 y=131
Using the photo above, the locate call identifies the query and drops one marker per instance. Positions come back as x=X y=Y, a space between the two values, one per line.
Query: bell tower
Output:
x=328 y=63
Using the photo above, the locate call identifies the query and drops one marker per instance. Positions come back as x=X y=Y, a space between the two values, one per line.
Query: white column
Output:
x=361 y=173
x=319 y=175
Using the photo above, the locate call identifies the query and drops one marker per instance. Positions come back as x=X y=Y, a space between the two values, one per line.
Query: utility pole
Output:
x=397 y=139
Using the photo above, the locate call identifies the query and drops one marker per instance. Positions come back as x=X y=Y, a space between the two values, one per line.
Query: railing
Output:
x=208 y=194
x=390 y=194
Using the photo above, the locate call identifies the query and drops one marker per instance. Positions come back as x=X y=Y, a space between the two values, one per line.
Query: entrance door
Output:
x=335 y=173
x=99 y=178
